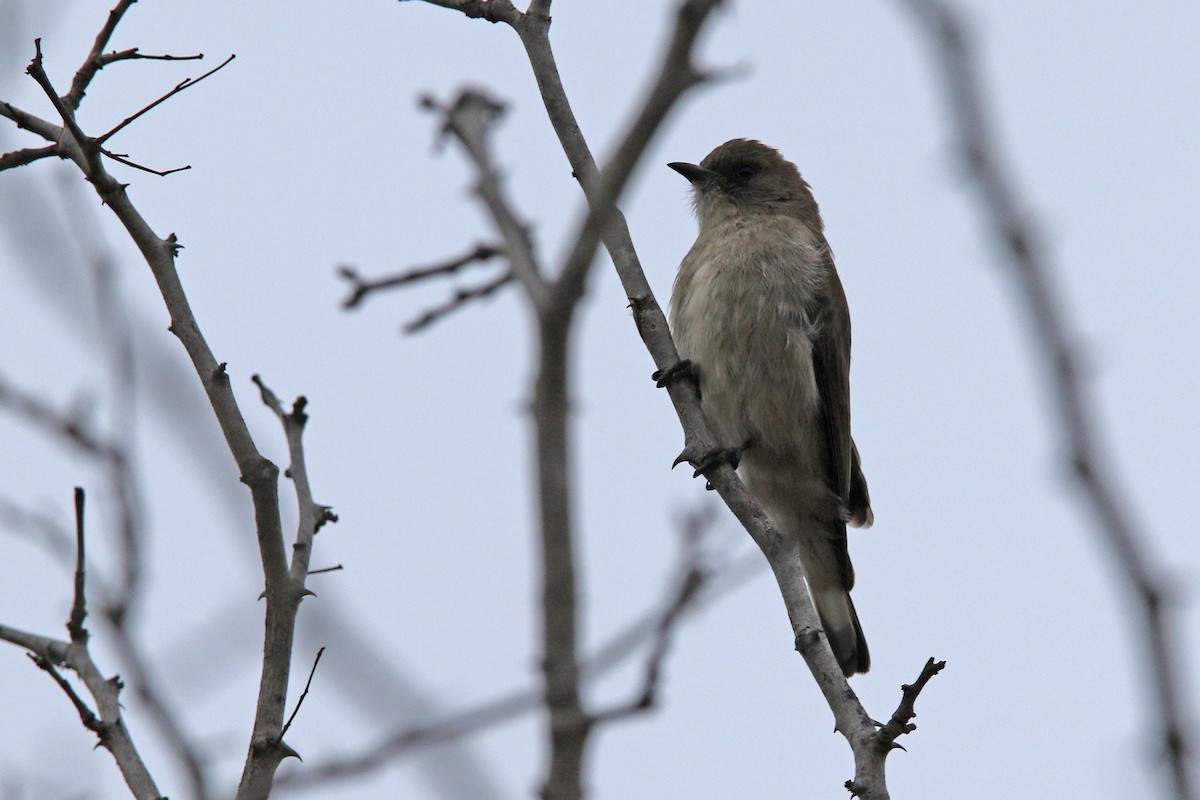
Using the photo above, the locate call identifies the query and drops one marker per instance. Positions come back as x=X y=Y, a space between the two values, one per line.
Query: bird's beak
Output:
x=695 y=174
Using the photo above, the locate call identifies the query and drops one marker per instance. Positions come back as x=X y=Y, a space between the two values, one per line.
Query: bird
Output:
x=761 y=323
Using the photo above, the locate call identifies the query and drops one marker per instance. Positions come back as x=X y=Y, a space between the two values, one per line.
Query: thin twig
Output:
x=86 y=715
x=644 y=699
x=122 y=158
x=79 y=634
x=360 y=287
x=186 y=83
x=901 y=721
x=1014 y=230
x=460 y=298
x=94 y=61
x=303 y=694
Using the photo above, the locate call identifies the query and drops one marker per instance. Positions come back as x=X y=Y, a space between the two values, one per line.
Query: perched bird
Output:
x=761 y=316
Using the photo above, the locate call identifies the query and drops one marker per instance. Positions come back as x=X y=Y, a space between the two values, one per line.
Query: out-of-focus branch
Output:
x=694 y=576
x=461 y=297
x=699 y=581
x=1015 y=233
x=469 y=119
x=361 y=288
x=77 y=432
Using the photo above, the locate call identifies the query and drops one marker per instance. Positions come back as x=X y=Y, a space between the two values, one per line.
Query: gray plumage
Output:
x=759 y=310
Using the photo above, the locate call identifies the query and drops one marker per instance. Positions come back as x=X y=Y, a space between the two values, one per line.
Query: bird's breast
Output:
x=743 y=311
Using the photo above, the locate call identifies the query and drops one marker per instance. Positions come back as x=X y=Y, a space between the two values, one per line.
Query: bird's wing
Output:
x=831 y=367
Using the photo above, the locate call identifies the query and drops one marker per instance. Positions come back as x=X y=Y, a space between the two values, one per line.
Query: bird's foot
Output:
x=710 y=460
x=680 y=370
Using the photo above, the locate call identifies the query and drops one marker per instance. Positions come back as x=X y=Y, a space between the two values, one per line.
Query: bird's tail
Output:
x=840 y=621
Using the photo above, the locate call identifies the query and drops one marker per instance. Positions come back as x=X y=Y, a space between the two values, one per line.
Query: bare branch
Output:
x=490 y=10
x=901 y=721
x=88 y=150
x=94 y=61
x=303 y=694
x=110 y=725
x=693 y=581
x=122 y=158
x=1014 y=231
x=675 y=76
x=112 y=611
x=19 y=158
x=360 y=288
x=283 y=592
x=186 y=83
x=470 y=118
x=79 y=634
x=461 y=298
x=86 y=715
x=30 y=122
x=312 y=515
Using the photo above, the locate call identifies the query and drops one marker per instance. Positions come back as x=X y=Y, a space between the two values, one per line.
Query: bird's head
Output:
x=744 y=176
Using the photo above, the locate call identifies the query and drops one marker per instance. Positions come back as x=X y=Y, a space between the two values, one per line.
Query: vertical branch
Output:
x=282 y=592
x=1013 y=231
x=75 y=627
x=568 y=722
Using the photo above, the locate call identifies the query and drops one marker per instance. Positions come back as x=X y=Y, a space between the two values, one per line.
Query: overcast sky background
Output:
x=309 y=151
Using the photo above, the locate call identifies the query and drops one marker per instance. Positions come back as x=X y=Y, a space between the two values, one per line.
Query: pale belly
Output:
x=751 y=346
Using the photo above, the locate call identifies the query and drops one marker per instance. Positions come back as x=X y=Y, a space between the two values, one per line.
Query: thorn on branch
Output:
x=325 y=516
x=298 y=414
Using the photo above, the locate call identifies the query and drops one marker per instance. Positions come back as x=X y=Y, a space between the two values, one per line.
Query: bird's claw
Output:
x=679 y=370
x=709 y=461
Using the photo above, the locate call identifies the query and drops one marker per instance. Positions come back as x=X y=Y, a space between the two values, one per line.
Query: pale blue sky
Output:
x=309 y=151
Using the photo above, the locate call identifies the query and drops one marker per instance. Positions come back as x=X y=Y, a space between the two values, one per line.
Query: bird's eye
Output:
x=747 y=171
